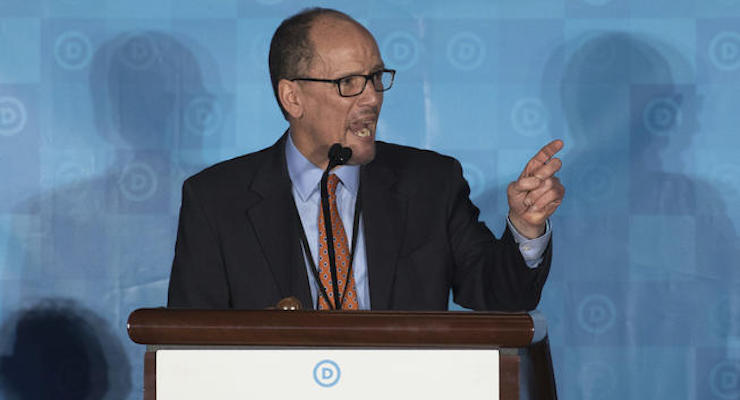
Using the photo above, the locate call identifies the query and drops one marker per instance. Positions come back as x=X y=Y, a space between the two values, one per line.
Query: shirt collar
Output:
x=306 y=176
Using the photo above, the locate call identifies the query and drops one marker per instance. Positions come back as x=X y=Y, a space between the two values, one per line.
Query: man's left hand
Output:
x=537 y=193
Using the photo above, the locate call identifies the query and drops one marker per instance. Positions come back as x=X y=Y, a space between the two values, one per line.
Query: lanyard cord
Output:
x=315 y=271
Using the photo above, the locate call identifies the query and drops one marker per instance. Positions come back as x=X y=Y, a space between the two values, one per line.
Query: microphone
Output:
x=338 y=155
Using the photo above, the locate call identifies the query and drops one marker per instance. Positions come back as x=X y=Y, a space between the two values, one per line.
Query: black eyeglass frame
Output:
x=368 y=77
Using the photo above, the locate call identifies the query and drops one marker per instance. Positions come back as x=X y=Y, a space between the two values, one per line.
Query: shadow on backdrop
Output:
x=654 y=242
x=104 y=234
x=59 y=350
x=150 y=95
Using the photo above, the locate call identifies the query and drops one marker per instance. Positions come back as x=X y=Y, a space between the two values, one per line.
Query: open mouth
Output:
x=363 y=128
x=364 y=132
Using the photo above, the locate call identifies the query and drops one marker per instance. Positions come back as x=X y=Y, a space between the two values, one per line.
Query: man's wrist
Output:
x=532 y=250
x=527 y=230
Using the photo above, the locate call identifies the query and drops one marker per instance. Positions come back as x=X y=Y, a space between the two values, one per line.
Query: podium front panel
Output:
x=327 y=373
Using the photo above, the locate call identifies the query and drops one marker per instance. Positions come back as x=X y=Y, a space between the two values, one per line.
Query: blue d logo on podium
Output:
x=326 y=373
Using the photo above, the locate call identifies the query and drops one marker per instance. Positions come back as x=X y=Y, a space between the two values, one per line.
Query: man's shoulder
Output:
x=406 y=158
x=238 y=169
x=418 y=173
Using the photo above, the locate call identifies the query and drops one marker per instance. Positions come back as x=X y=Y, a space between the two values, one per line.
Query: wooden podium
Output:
x=525 y=365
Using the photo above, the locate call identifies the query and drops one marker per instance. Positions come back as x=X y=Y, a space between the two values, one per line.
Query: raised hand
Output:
x=537 y=193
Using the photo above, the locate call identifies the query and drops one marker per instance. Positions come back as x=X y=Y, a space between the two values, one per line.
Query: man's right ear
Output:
x=289 y=94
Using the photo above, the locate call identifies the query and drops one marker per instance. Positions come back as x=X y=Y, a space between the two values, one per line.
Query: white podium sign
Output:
x=184 y=374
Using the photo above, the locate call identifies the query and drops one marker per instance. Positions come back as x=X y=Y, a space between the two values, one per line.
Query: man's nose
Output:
x=370 y=96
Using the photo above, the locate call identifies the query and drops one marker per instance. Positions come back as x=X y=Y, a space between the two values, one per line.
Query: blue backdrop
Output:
x=106 y=106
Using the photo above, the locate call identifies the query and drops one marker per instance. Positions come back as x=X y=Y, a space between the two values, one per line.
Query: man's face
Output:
x=340 y=49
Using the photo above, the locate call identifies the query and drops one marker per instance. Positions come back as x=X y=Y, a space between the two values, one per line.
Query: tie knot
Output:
x=331 y=184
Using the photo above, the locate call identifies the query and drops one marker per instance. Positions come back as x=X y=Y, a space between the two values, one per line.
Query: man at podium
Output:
x=388 y=227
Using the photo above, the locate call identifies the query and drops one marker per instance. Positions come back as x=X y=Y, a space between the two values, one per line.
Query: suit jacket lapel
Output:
x=384 y=218
x=272 y=212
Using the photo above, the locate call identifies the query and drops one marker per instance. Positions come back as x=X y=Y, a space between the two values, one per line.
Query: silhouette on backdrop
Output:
x=103 y=234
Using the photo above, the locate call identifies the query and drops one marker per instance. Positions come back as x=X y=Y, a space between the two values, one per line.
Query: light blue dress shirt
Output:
x=306 y=178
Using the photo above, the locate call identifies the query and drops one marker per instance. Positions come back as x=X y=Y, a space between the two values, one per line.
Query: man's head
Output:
x=326 y=44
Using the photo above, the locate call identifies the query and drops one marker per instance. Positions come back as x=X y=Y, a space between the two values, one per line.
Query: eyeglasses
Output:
x=354 y=85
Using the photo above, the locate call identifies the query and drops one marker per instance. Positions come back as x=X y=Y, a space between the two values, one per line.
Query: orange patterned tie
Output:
x=341 y=253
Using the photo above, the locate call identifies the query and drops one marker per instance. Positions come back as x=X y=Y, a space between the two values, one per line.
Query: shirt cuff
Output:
x=531 y=249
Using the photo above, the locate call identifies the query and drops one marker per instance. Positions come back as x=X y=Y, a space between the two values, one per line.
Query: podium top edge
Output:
x=336 y=328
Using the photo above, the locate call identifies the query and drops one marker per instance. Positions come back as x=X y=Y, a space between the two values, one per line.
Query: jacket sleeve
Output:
x=198 y=278
x=489 y=273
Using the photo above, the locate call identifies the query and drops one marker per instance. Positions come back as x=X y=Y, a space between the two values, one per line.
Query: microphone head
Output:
x=334 y=151
x=339 y=155
x=345 y=154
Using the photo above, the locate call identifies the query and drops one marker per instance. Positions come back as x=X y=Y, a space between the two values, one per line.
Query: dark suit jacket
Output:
x=238 y=242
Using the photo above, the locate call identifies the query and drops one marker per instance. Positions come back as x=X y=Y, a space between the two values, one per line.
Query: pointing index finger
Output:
x=543 y=156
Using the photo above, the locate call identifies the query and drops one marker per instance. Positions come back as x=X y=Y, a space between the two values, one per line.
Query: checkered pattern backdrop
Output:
x=106 y=106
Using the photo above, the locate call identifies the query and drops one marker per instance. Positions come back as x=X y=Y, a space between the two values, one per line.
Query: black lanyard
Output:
x=315 y=271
